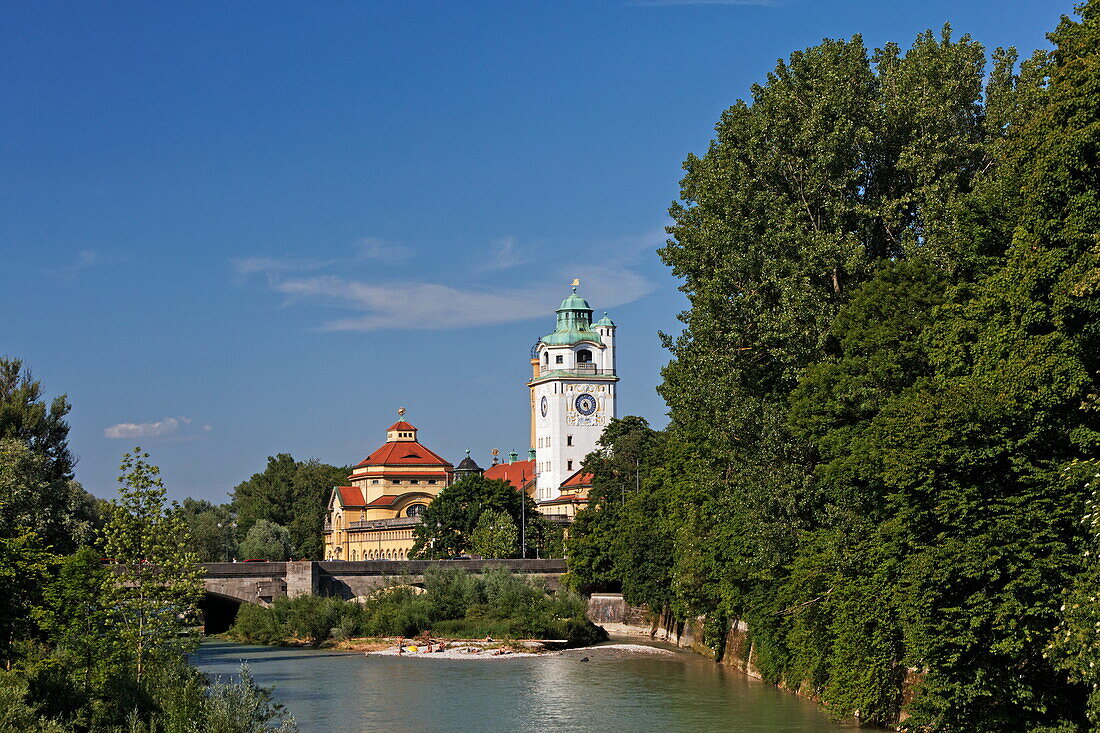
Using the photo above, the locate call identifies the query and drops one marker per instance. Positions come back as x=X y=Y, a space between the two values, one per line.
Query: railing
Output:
x=401 y=522
x=586 y=369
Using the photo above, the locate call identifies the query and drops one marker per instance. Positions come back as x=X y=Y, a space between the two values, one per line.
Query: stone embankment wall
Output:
x=610 y=611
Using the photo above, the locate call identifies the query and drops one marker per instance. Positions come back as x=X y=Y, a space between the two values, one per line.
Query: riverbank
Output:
x=515 y=650
x=621 y=687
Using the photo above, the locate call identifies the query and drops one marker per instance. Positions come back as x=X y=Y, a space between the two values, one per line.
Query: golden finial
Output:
x=495 y=452
x=576 y=283
x=401 y=412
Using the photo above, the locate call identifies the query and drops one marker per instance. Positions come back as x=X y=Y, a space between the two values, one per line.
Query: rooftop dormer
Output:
x=401 y=431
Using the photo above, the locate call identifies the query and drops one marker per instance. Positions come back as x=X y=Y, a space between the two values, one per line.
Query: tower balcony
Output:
x=587 y=370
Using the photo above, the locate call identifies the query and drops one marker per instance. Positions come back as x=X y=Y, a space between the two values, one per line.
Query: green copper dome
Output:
x=605 y=321
x=575 y=302
x=574 y=323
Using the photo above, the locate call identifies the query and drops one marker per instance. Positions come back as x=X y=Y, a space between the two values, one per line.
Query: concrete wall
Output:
x=262 y=582
x=611 y=611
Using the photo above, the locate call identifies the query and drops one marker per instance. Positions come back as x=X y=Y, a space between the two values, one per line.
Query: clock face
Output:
x=586 y=404
x=543 y=407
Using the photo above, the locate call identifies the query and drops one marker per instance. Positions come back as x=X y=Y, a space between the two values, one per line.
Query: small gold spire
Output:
x=401 y=412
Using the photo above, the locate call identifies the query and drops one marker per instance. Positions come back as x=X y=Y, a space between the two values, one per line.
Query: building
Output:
x=373 y=518
x=573 y=393
x=572 y=399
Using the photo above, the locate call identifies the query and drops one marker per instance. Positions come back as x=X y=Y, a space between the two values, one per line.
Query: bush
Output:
x=456 y=604
x=257 y=625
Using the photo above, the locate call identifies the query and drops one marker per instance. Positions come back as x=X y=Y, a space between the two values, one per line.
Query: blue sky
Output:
x=235 y=229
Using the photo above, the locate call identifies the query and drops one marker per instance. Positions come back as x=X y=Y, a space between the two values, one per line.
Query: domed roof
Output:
x=605 y=321
x=574 y=323
x=575 y=303
x=467 y=463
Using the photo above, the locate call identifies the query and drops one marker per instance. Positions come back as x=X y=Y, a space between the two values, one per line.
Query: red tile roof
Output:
x=385 y=500
x=401 y=425
x=580 y=478
x=403 y=453
x=350 y=496
x=518 y=474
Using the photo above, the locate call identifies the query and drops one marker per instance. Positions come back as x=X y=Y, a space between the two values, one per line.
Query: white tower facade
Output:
x=573 y=393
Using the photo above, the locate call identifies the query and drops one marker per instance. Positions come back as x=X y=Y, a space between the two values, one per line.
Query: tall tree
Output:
x=25 y=416
x=448 y=523
x=266 y=541
x=156 y=591
x=495 y=535
x=292 y=494
x=36 y=465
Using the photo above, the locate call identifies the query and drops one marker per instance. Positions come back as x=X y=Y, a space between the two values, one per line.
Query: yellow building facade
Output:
x=374 y=516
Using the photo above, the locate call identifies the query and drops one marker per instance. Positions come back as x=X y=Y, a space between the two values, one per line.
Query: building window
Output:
x=415 y=481
x=397 y=481
x=569 y=440
x=414 y=510
x=584 y=356
x=569 y=465
x=431 y=481
x=546 y=357
x=559 y=359
x=374 y=481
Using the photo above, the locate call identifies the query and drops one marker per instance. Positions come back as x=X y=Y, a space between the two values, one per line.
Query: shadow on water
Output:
x=613 y=691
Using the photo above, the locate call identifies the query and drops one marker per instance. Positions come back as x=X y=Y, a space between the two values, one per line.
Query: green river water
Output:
x=614 y=692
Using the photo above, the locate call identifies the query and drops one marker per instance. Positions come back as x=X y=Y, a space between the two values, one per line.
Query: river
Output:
x=614 y=692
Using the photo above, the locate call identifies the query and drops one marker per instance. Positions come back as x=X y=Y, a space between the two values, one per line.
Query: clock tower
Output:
x=573 y=390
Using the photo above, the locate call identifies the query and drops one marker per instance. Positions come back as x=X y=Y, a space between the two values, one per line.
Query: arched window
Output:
x=354 y=555
x=584 y=356
x=546 y=357
x=414 y=510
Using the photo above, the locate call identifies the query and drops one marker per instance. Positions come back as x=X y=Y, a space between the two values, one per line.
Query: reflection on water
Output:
x=353 y=693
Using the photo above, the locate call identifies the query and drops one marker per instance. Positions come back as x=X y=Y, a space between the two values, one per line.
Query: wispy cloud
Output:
x=425 y=306
x=505 y=255
x=146 y=429
x=372 y=248
x=84 y=259
x=377 y=303
x=251 y=265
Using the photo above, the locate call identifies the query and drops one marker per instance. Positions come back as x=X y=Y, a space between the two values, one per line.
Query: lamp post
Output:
x=229 y=527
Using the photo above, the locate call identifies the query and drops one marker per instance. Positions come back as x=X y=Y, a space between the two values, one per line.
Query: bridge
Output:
x=228 y=585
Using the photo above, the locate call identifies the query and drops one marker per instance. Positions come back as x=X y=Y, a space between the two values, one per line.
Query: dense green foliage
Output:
x=91 y=648
x=880 y=444
x=448 y=524
x=495 y=535
x=454 y=604
x=293 y=494
x=212 y=529
x=36 y=465
x=266 y=541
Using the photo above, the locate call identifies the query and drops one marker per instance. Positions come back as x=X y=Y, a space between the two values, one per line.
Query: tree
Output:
x=211 y=529
x=25 y=566
x=290 y=493
x=495 y=535
x=60 y=512
x=266 y=541
x=154 y=598
x=36 y=466
x=78 y=616
x=24 y=416
x=448 y=523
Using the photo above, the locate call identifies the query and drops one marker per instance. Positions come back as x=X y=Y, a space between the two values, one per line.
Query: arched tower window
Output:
x=584 y=356
x=414 y=510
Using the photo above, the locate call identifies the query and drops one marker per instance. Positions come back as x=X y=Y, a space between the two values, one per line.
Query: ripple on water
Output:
x=613 y=692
